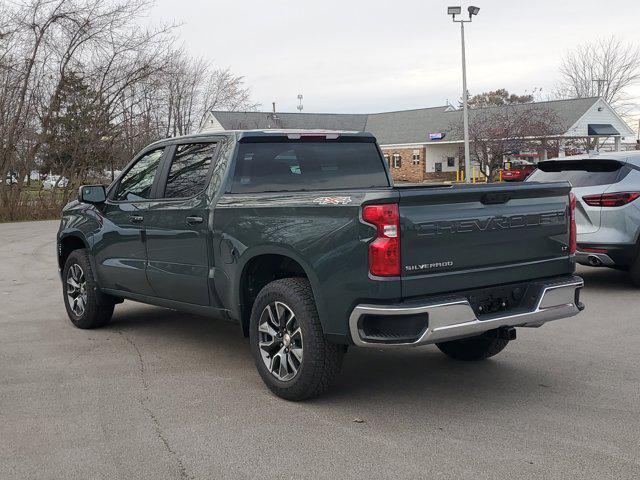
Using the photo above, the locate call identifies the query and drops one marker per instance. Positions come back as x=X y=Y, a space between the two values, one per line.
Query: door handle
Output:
x=136 y=218
x=194 y=220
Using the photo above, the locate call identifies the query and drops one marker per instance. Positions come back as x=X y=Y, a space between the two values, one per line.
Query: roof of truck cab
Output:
x=279 y=132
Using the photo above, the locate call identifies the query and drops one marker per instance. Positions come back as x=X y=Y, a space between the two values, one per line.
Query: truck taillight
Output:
x=384 y=251
x=617 y=199
x=573 y=234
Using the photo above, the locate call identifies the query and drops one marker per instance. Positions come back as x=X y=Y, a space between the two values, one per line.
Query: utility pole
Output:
x=300 y=106
x=453 y=11
x=465 y=110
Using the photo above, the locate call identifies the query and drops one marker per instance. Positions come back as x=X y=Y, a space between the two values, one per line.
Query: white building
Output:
x=423 y=144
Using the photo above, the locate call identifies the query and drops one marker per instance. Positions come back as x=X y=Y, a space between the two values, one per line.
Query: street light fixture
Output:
x=473 y=11
x=453 y=11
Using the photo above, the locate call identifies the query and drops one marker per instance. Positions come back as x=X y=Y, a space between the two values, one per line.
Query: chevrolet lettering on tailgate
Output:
x=485 y=224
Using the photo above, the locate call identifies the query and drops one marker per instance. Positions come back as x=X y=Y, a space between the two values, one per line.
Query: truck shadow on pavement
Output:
x=420 y=375
x=427 y=375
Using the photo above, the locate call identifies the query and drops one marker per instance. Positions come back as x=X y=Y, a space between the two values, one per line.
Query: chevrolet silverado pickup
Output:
x=302 y=238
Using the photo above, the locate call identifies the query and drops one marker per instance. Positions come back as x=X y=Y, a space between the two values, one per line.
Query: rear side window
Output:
x=581 y=173
x=189 y=170
x=303 y=165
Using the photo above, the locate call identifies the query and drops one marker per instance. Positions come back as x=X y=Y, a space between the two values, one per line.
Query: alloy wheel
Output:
x=76 y=289
x=280 y=341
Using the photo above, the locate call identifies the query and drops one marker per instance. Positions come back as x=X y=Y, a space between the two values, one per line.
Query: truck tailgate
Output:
x=469 y=236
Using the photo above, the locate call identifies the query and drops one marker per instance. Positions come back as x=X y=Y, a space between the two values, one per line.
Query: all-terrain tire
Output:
x=474 y=348
x=321 y=359
x=97 y=309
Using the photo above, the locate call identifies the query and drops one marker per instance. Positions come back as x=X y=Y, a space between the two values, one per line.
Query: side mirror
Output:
x=94 y=194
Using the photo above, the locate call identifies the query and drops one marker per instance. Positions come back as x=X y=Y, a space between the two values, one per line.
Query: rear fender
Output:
x=254 y=252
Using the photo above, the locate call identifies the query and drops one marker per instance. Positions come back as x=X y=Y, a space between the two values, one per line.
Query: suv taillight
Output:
x=617 y=199
x=573 y=234
x=384 y=251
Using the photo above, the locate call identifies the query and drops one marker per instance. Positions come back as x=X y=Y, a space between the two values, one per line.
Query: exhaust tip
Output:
x=594 y=261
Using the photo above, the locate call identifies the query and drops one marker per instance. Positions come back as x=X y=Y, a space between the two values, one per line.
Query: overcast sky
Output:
x=369 y=56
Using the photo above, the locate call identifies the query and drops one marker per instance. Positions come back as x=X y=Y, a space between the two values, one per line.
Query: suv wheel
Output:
x=289 y=349
x=80 y=295
x=475 y=348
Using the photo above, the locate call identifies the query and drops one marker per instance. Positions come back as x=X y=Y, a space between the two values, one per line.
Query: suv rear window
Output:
x=581 y=173
x=299 y=165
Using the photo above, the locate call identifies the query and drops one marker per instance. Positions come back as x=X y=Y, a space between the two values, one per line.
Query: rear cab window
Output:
x=283 y=165
x=581 y=173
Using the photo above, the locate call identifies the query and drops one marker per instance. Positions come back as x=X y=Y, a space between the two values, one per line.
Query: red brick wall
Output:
x=408 y=172
x=440 y=176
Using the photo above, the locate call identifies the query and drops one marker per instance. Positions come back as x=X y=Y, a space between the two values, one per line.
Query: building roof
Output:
x=399 y=127
x=415 y=125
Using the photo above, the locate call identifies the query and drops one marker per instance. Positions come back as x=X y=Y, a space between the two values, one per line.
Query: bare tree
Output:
x=499 y=131
x=606 y=67
x=193 y=88
x=74 y=72
x=499 y=97
x=49 y=39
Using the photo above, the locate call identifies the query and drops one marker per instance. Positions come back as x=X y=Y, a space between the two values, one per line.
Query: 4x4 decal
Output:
x=332 y=200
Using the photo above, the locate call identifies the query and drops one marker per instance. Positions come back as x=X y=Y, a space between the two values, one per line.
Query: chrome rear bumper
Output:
x=453 y=318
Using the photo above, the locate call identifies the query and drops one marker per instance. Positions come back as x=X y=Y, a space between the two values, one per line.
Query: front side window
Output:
x=189 y=170
x=137 y=182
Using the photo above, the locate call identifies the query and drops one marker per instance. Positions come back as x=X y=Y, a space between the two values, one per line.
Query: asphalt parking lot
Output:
x=158 y=394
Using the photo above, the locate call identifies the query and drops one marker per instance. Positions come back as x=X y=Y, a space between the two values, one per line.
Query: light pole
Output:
x=453 y=11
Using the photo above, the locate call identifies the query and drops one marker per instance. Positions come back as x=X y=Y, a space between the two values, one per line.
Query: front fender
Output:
x=81 y=222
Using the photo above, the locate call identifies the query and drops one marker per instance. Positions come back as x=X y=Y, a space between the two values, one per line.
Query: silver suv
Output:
x=606 y=186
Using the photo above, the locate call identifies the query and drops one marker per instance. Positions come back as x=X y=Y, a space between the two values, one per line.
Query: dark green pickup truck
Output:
x=302 y=238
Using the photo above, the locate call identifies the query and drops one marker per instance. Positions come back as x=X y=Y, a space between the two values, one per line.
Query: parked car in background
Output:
x=606 y=187
x=517 y=172
x=54 y=180
x=11 y=179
